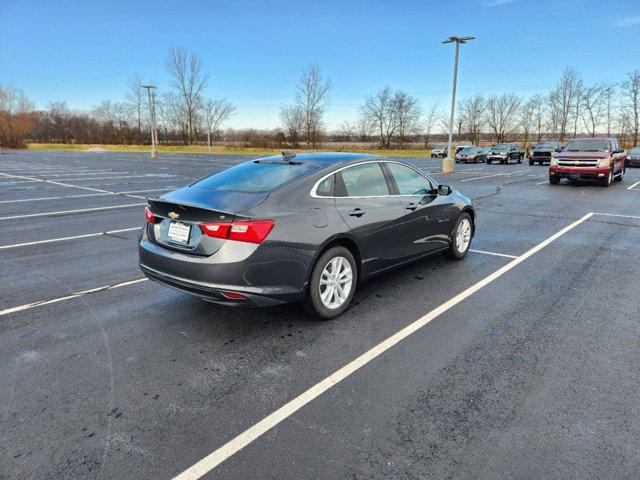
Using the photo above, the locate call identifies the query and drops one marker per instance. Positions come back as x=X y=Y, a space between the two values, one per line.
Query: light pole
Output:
x=152 y=116
x=449 y=163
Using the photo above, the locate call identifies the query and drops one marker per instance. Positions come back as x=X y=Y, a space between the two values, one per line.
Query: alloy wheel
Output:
x=336 y=282
x=463 y=235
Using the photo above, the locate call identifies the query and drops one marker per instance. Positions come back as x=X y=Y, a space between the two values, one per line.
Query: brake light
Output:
x=253 y=231
x=234 y=295
x=148 y=215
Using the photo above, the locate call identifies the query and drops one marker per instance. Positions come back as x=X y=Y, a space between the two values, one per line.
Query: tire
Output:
x=458 y=250
x=488 y=161
x=621 y=174
x=554 y=180
x=531 y=162
x=313 y=303
x=520 y=157
x=609 y=180
x=541 y=162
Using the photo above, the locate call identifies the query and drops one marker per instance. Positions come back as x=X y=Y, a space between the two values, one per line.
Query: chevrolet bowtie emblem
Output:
x=173 y=215
x=575 y=163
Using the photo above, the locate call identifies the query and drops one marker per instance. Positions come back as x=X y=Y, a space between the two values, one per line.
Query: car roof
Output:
x=322 y=159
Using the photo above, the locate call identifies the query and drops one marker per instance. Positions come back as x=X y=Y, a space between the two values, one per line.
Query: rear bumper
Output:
x=576 y=173
x=264 y=274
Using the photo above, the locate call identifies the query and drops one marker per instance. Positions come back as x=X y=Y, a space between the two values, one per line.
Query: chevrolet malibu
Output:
x=306 y=228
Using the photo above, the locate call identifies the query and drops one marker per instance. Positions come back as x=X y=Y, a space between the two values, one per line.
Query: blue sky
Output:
x=86 y=51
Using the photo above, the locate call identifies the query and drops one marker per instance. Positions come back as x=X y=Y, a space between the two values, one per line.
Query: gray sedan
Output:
x=305 y=228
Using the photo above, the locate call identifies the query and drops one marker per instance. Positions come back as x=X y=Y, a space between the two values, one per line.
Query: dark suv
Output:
x=503 y=152
x=543 y=151
x=599 y=159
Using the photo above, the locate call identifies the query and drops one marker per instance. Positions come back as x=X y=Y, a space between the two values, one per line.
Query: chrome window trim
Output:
x=313 y=193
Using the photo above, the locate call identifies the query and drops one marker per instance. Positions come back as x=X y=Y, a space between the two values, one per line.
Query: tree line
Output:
x=387 y=118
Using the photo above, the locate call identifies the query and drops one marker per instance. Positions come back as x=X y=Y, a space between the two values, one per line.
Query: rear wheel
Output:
x=333 y=283
x=460 y=237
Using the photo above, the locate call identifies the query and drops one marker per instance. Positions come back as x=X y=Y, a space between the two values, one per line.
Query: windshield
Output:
x=502 y=146
x=548 y=145
x=635 y=150
x=254 y=177
x=588 y=146
x=469 y=150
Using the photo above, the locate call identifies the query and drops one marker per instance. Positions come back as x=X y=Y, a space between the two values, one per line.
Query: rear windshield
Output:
x=468 y=150
x=588 y=146
x=254 y=177
x=503 y=146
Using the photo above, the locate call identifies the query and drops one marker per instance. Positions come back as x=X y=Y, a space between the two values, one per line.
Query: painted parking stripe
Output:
x=486 y=176
x=542 y=183
x=29 y=306
x=616 y=215
x=62 y=239
x=54 y=182
x=495 y=254
x=236 y=444
x=84 y=195
x=633 y=186
x=71 y=212
x=150 y=176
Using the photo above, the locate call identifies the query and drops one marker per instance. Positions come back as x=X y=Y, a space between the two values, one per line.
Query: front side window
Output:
x=409 y=181
x=364 y=180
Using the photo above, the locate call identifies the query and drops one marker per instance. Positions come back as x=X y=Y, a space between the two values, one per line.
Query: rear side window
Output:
x=254 y=177
x=364 y=180
x=409 y=181
x=325 y=187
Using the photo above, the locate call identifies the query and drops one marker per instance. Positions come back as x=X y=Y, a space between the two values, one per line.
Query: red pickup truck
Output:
x=599 y=159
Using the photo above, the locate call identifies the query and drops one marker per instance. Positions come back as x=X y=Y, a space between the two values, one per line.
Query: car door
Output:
x=363 y=199
x=426 y=216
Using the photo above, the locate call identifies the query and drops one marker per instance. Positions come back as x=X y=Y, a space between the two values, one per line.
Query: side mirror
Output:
x=444 y=190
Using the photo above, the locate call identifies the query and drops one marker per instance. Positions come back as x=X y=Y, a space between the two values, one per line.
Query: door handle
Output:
x=412 y=206
x=357 y=212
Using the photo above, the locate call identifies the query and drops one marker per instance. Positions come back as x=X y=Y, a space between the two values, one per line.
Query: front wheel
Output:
x=530 y=162
x=621 y=174
x=332 y=285
x=488 y=162
x=609 y=180
x=520 y=157
x=460 y=237
x=553 y=180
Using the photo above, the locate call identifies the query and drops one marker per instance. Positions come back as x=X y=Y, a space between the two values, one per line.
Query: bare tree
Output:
x=407 y=113
x=188 y=80
x=594 y=107
x=631 y=95
x=562 y=101
x=471 y=112
x=502 y=116
x=378 y=112
x=215 y=113
x=16 y=117
x=311 y=99
x=293 y=120
x=135 y=97
x=536 y=103
x=528 y=120
x=429 y=123
x=610 y=91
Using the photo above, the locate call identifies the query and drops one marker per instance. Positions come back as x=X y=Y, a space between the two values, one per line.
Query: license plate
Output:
x=179 y=232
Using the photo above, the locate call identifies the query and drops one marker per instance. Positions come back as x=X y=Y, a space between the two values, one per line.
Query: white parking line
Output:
x=69 y=297
x=62 y=197
x=542 y=183
x=53 y=182
x=69 y=212
x=62 y=239
x=487 y=253
x=236 y=444
x=633 y=186
x=150 y=176
x=616 y=215
x=486 y=176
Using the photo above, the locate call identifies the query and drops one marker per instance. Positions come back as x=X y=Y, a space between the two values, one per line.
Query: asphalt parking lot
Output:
x=521 y=361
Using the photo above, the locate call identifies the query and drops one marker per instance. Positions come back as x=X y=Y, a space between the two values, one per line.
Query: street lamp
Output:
x=152 y=115
x=449 y=163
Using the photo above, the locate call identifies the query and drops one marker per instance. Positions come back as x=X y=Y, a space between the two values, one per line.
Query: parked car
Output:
x=504 y=152
x=470 y=154
x=439 y=151
x=300 y=228
x=461 y=145
x=543 y=151
x=633 y=157
x=599 y=159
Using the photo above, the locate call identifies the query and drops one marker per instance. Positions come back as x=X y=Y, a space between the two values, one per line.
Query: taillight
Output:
x=253 y=231
x=148 y=215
